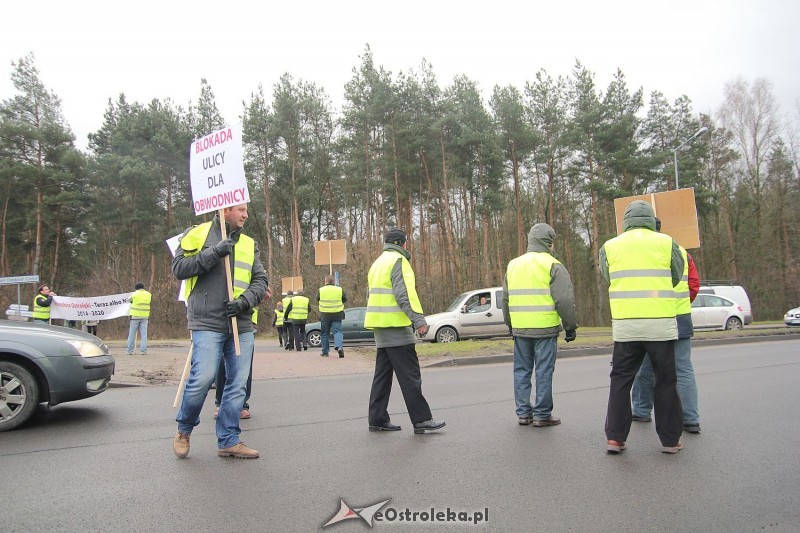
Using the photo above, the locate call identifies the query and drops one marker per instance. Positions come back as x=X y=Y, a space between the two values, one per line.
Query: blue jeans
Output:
x=529 y=354
x=338 y=337
x=140 y=325
x=208 y=348
x=642 y=392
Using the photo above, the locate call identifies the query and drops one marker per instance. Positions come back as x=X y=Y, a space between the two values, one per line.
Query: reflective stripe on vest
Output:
x=140 y=304
x=530 y=304
x=330 y=299
x=244 y=253
x=382 y=308
x=299 y=308
x=683 y=305
x=278 y=318
x=40 y=312
x=639 y=270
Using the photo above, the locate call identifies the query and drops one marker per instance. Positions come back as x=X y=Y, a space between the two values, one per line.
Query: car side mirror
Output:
x=464 y=310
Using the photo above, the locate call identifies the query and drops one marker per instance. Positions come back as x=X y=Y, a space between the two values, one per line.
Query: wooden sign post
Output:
x=330 y=253
x=676 y=210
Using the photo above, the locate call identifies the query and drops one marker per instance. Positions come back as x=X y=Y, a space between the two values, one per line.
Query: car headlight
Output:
x=87 y=349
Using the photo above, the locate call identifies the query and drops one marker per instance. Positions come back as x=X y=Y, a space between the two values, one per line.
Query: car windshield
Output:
x=457 y=302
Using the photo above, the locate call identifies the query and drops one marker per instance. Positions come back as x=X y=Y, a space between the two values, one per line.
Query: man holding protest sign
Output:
x=200 y=259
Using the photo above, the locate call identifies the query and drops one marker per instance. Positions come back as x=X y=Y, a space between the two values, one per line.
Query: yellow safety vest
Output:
x=639 y=269
x=244 y=254
x=382 y=308
x=683 y=304
x=255 y=315
x=40 y=312
x=530 y=304
x=330 y=299
x=278 y=318
x=299 y=308
x=140 y=304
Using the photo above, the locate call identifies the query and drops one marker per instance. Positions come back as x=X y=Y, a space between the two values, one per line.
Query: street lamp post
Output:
x=697 y=134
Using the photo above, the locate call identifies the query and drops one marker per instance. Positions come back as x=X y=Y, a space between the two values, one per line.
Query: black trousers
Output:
x=403 y=361
x=283 y=337
x=289 y=334
x=625 y=363
x=299 y=335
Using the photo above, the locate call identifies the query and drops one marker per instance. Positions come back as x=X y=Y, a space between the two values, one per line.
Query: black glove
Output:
x=235 y=307
x=570 y=335
x=225 y=246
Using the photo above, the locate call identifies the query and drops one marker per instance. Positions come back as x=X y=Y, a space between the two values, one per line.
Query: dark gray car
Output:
x=47 y=364
x=353 y=329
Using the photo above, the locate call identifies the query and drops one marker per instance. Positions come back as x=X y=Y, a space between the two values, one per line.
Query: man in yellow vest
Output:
x=537 y=298
x=642 y=268
x=392 y=308
x=277 y=323
x=331 y=301
x=297 y=313
x=41 y=304
x=140 y=316
x=200 y=260
x=287 y=323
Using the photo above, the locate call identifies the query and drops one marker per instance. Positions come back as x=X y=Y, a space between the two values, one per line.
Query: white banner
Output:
x=91 y=308
x=216 y=170
x=172 y=244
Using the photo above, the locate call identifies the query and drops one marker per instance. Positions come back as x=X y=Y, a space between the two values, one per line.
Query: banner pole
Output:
x=185 y=374
x=234 y=323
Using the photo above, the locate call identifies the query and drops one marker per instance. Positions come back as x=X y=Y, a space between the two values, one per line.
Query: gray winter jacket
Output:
x=540 y=239
x=206 y=306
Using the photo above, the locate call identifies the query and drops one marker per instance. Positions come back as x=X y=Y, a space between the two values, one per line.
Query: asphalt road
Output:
x=106 y=464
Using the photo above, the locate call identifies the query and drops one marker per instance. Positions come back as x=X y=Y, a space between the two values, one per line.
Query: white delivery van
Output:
x=477 y=313
x=735 y=293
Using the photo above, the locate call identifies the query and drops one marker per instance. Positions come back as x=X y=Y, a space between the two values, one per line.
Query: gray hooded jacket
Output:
x=639 y=214
x=540 y=239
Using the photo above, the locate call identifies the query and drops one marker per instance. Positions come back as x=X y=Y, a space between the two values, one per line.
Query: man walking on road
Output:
x=140 y=316
x=200 y=259
x=393 y=306
x=297 y=313
x=331 y=301
x=537 y=298
x=642 y=267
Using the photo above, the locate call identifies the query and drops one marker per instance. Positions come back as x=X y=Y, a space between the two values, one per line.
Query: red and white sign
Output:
x=216 y=169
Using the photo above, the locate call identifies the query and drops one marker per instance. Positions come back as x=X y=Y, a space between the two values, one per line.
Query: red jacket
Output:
x=694 y=279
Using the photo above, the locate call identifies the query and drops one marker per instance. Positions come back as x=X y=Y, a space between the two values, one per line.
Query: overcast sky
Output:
x=90 y=51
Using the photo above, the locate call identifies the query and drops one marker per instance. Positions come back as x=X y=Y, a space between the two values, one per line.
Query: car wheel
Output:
x=314 y=338
x=19 y=395
x=733 y=323
x=446 y=334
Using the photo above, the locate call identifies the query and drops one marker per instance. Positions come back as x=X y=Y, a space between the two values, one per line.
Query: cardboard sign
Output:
x=676 y=210
x=330 y=252
x=216 y=168
x=92 y=308
x=293 y=284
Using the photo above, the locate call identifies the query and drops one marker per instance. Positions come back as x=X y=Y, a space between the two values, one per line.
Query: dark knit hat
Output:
x=395 y=236
x=139 y=286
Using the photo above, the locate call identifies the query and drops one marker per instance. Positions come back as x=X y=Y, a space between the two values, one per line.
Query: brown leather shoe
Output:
x=615 y=446
x=245 y=414
x=672 y=449
x=238 y=450
x=550 y=421
x=180 y=445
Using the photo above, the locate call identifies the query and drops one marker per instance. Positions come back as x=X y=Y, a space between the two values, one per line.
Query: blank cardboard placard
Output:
x=330 y=252
x=677 y=211
x=293 y=284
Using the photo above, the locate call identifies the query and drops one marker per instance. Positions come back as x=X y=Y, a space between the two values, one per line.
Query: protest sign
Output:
x=216 y=167
x=91 y=308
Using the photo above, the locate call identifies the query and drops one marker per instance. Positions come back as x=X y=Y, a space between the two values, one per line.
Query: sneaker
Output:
x=238 y=450
x=323 y=355
x=615 y=446
x=525 y=420
x=305 y=347
x=341 y=352
x=180 y=445
x=128 y=353
x=672 y=449
x=637 y=418
x=691 y=428
x=245 y=414
x=549 y=421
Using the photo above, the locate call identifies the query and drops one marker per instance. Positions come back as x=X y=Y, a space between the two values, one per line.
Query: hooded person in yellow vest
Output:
x=140 y=317
x=393 y=308
x=642 y=268
x=277 y=323
x=537 y=299
x=287 y=322
x=331 y=299
x=200 y=260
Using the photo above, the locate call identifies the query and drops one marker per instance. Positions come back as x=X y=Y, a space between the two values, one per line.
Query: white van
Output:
x=477 y=313
x=735 y=293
